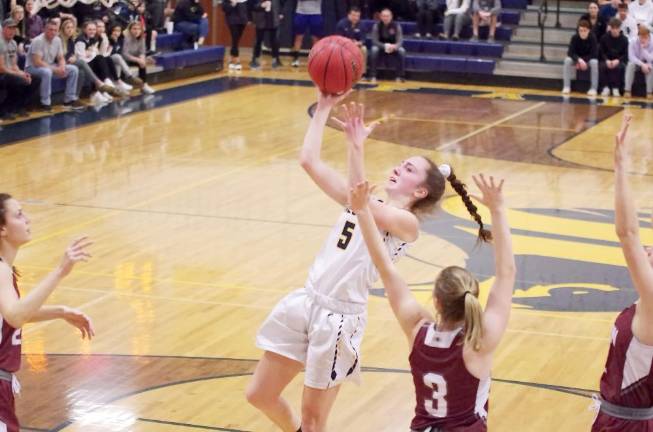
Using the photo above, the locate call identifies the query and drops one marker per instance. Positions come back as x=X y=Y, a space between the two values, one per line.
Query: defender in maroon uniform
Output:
x=16 y=311
x=626 y=402
x=450 y=357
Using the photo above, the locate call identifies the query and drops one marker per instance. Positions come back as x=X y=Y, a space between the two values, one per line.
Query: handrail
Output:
x=558 y=25
x=542 y=14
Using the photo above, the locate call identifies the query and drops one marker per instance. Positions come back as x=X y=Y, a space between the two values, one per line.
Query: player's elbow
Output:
x=306 y=162
x=627 y=233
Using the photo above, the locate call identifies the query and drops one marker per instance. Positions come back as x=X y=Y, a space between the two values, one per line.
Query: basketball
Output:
x=335 y=64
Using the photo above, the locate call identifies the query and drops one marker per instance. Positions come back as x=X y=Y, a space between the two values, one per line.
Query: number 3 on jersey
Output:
x=436 y=407
x=347 y=234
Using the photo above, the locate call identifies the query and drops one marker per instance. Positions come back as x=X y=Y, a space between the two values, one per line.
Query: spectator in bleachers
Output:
x=387 y=41
x=598 y=23
x=105 y=51
x=45 y=60
x=485 y=11
x=609 y=9
x=582 y=55
x=18 y=15
x=308 y=18
x=33 y=22
x=235 y=12
x=350 y=27
x=613 y=55
x=116 y=41
x=134 y=52
x=628 y=23
x=155 y=14
x=641 y=11
x=640 y=57
x=68 y=35
x=456 y=16
x=190 y=19
x=87 y=49
x=426 y=13
x=90 y=11
x=20 y=86
x=266 y=15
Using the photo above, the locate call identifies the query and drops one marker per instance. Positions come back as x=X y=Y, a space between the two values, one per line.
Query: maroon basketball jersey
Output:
x=448 y=396
x=627 y=379
x=10 y=344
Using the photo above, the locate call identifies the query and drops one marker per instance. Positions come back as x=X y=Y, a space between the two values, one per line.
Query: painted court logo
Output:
x=567 y=260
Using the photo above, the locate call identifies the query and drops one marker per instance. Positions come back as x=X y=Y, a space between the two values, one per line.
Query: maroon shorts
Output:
x=8 y=419
x=607 y=423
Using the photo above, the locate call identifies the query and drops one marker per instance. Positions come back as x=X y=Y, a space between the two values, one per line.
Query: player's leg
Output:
x=273 y=373
x=316 y=406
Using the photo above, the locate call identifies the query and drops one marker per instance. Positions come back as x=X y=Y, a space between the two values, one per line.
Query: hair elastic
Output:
x=445 y=170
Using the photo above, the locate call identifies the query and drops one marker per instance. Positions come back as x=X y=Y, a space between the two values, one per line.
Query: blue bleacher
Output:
x=174 y=57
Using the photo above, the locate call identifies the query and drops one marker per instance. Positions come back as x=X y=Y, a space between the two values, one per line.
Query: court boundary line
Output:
x=575 y=391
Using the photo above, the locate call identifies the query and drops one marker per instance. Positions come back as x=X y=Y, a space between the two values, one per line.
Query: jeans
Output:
x=45 y=74
x=569 y=67
x=456 y=20
x=193 y=30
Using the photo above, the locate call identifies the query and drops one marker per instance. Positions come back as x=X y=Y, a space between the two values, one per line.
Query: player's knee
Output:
x=311 y=420
x=257 y=397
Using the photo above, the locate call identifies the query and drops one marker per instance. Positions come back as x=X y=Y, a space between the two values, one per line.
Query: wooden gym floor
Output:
x=203 y=220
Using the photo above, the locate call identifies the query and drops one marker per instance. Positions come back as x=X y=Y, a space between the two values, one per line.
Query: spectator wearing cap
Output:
x=640 y=57
x=582 y=54
x=613 y=56
x=21 y=87
x=46 y=61
x=350 y=27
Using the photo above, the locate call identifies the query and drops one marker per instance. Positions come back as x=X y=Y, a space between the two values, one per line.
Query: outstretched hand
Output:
x=81 y=321
x=359 y=196
x=353 y=124
x=492 y=193
x=328 y=101
x=76 y=252
x=621 y=147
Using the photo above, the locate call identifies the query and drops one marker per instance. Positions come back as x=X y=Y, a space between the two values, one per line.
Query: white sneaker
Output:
x=295 y=63
x=147 y=90
x=238 y=67
x=109 y=83
x=605 y=92
x=591 y=92
x=615 y=92
x=124 y=87
x=232 y=66
x=98 y=99
x=566 y=90
x=107 y=97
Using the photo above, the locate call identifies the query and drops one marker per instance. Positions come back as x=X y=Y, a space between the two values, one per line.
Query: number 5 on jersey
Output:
x=347 y=234
x=437 y=407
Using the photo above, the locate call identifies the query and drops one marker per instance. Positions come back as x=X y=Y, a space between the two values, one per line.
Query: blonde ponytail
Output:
x=473 y=321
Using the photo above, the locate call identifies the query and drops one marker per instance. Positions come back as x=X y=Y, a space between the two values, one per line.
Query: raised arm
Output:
x=398 y=222
x=627 y=225
x=18 y=311
x=497 y=309
x=405 y=307
x=324 y=176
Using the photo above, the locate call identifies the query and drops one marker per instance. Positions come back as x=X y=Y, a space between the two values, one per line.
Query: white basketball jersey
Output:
x=343 y=272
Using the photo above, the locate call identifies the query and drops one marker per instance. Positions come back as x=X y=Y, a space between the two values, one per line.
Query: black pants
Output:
x=425 y=20
x=236 y=31
x=19 y=93
x=155 y=14
x=104 y=68
x=142 y=72
x=613 y=78
x=274 y=40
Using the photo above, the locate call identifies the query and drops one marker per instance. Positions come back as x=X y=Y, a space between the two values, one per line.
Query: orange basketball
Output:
x=335 y=64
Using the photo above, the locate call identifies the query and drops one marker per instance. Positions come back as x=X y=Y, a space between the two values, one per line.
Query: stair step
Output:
x=528 y=68
x=532 y=51
x=533 y=34
x=567 y=19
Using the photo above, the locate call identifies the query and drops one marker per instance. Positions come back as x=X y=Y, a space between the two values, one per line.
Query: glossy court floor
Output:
x=202 y=220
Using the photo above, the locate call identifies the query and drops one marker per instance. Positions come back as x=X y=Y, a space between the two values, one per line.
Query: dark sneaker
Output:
x=75 y=105
x=254 y=64
x=45 y=108
x=276 y=63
